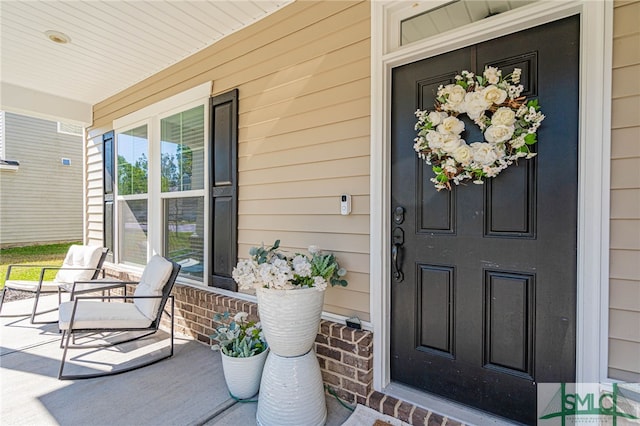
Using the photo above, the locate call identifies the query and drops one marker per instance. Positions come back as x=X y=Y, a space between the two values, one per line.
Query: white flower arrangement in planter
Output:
x=271 y=268
x=290 y=292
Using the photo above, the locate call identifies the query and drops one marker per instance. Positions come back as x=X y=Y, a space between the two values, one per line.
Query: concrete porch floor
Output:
x=186 y=389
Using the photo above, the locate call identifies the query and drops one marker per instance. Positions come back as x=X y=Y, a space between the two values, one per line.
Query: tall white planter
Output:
x=290 y=319
x=243 y=374
x=292 y=393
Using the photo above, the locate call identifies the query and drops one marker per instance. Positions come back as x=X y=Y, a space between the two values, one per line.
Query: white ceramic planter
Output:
x=290 y=319
x=291 y=392
x=243 y=374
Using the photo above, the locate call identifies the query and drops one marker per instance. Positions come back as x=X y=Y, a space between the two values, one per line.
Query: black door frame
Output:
x=593 y=188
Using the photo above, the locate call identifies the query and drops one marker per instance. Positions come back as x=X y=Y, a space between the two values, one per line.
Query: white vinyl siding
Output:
x=2 y=136
x=41 y=202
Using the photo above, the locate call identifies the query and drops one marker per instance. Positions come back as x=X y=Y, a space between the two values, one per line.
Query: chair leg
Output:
x=34 y=312
x=172 y=322
x=4 y=290
x=25 y=314
x=64 y=352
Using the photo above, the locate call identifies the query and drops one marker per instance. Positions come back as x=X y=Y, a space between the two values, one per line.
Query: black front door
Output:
x=487 y=304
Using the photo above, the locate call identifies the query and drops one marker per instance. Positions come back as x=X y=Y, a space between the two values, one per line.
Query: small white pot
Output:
x=243 y=374
x=290 y=319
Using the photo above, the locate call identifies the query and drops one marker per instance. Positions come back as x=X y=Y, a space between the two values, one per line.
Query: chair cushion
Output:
x=154 y=277
x=24 y=285
x=79 y=257
x=95 y=315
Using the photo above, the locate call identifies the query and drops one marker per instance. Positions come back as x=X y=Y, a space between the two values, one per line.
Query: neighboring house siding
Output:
x=624 y=313
x=2 y=136
x=303 y=76
x=40 y=202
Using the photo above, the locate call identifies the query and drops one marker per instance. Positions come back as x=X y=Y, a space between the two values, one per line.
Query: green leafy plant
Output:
x=237 y=337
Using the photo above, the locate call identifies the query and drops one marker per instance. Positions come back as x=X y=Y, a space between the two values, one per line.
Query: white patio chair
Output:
x=81 y=263
x=95 y=314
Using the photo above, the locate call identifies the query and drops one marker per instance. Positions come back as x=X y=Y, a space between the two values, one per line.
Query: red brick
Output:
x=344 y=395
x=404 y=411
x=363 y=337
x=365 y=377
x=328 y=352
x=389 y=405
x=325 y=327
x=435 y=420
x=419 y=415
x=336 y=330
x=364 y=351
x=347 y=334
x=355 y=387
x=374 y=400
x=330 y=379
x=341 y=344
x=320 y=338
x=356 y=361
x=341 y=369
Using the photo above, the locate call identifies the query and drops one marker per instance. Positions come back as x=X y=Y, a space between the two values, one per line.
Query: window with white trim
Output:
x=160 y=183
x=182 y=184
x=132 y=152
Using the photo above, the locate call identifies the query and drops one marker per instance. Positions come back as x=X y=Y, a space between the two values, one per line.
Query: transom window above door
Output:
x=432 y=17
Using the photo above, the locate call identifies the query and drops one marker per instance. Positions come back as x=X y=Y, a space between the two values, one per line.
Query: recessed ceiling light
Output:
x=57 y=37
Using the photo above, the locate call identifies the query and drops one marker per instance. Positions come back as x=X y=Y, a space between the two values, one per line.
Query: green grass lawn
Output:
x=50 y=255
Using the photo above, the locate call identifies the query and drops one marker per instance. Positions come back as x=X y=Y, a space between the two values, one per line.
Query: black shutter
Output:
x=224 y=189
x=108 y=162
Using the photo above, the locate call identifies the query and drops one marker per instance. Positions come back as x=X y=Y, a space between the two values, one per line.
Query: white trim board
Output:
x=594 y=162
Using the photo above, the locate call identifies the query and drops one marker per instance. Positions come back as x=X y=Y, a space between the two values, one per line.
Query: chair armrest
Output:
x=58 y=268
x=100 y=284
x=22 y=265
x=105 y=281
x=16 y=266
x=115 y=297
x=62 y=268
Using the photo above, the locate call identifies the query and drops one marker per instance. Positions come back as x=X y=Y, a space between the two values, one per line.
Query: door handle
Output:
x=395 y=259
x=397 y=272
x=396 y=255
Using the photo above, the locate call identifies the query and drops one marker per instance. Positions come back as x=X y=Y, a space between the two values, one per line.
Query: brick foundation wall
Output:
x=345 y=355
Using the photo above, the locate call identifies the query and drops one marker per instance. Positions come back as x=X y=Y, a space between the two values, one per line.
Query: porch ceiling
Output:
x=113 y=44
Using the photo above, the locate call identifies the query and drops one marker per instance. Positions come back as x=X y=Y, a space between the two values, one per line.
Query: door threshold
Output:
x=451 y=409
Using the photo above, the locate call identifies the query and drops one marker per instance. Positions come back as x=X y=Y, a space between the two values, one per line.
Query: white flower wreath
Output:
x=493 y=102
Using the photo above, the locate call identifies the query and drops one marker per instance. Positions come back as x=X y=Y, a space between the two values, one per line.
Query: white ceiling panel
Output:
x=114 y=44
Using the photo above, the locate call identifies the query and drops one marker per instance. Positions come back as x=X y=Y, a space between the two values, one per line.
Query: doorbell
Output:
x=345 y=204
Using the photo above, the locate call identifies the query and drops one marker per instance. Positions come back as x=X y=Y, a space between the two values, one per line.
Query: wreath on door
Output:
x=508 y=121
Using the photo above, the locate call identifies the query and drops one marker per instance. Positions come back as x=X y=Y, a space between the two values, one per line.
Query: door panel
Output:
x=486 y=307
